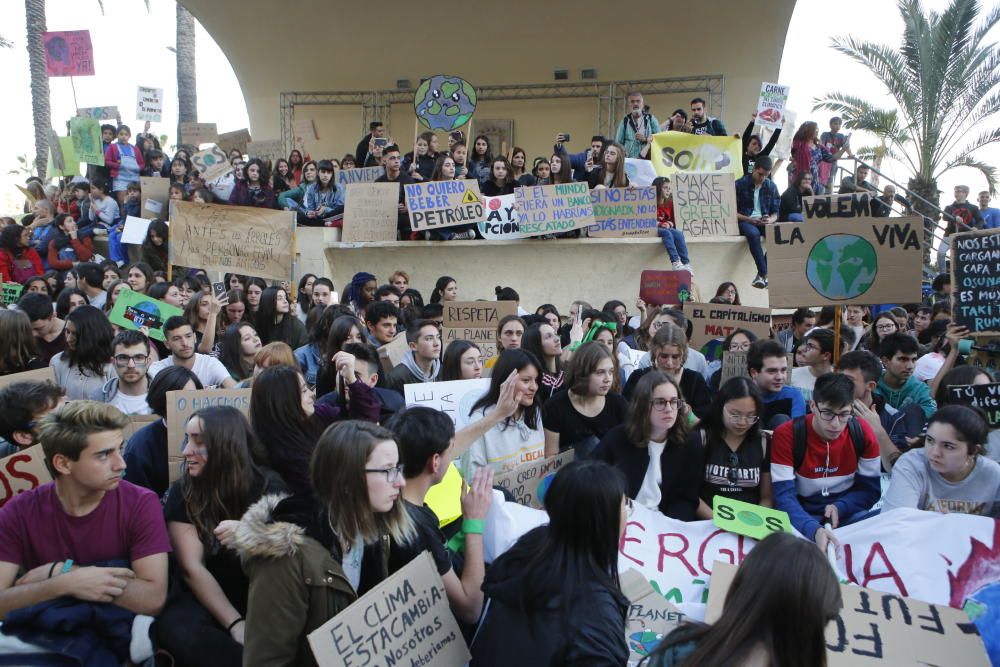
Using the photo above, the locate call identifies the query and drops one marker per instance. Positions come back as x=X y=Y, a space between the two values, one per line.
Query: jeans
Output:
x=753 y=235
x=116 y=249
x=942 y=257
x=673 y=241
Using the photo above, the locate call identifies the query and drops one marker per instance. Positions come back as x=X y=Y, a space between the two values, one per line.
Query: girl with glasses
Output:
x=663 y=469
x=737 y=461
x=739 y=340
x=667 y=353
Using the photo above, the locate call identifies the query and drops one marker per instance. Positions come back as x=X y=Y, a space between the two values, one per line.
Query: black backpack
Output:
x=799 y=438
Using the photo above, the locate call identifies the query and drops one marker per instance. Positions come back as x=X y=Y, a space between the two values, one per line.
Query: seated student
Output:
x=949 y=473
x=739 y=340
x=518 y=437
x=90 y=282
x=815 y=358
x=309 y=357
x=754 y=628
x=542 y=340
x=825 y=466
x=555 y=594
x=344 y=329
x=668 y=350
x=381 y=318
x=354 y=389
x=501 y=180
x=275 y=321
x=127 y=391
x=49 y=331
x=757 y=205
x=393 y=174
x=462 y=361
x=422 y=362
x=510 y=332
x=737 y=455
x=146 y=451
x=238 y=350
x=768 y=368
x=204 y=621
x=88 y=537
x=898 y=387
x=181 y=343
x=332 y=534
x=323 y=199
x=663 y=470
x=22 y=406
x=581 y=416
x=19 y=353
x=895 y=429
x=426 y=440
x=85 y=366
x=803 y=320
x=694 y=359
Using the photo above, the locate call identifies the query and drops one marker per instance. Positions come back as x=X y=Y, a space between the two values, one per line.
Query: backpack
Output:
x=22 y=268
x=799 y=438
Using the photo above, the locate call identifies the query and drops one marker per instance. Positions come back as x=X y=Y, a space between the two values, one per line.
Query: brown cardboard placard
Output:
x=439 y=204
x=196 y=134
x=713 y=321
x=22 y=472
x=182 y=404
x=233 y=239
x=836 y=262
x=211 y=163
x=46 y=374
x=552 y=209
x=154 y=195
x=527 y=482
x=406 y=619
x=370 y=212
x=651 y=617
x=846 y=205
x=975 y=280
x=391 y=354
x=705 y=204
x=485 y=339
x=236 y=139
x=477 y=314
x=136 y=422
x=623 y=213
x=734 y=365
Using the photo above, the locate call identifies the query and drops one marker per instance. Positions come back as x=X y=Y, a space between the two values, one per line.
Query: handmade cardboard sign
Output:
x=405 y=620
x=665 y=288
x=135 y=230
x=10 y=293
x=705 y=204
x=46 y=374
x=552 y=209
x=847 y=205
x=266 y=149
x=149 y=104
x=359 y=175
x=68 y=53
x=713 y=322
x=134 y=310
x=501 y=223
x=875 y=628
x=70 y=162
x=444 y=102
x=734 y=365
x=675 y=152
x=211 y=163
x=529 y=482
x=975 y=279
x=196 y=134
x=834 y=262
x=370 y=212
x=485 y=339
x=155 y=195
x=986 y=397
x=650 y=616
x=237 y=139
x=771 y=104
x=136 y=422
x=454 y=397
x=233 y=239
x=99 y=113
x=623 y=212
x=438 y=204
x=22 y=472
x=748 y=519
x=391 y=354
x=87 y=144
x=477 y=314
x=182 y=404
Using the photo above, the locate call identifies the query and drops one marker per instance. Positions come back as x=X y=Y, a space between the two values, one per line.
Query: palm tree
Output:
x=34 y=11
x=187 y=90
x=944 y=79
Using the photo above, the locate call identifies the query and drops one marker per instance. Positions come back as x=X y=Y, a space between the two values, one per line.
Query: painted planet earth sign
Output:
x=842 y=267
x=644 y=642
x=444 y=102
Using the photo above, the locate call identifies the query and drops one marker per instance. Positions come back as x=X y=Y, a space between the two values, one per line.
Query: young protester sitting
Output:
x=90 y=279
x=581 y=416
x=949 y=473
x=962 y=376
x=381 y=318
x=21 y=352
x=803 y=320
x=510 y=332
x=668 y=352
x=815 y=358
x=310 y=356
x=426 y=440
x=203 y=623
x=85 y=366
x=274 y=320
x=354 y=392
x=825 y=466
x=757 y=205
x=65 y=245
x=739 y=340
x=515 y=438
x=239 y=348
x=22 y=406
x=393 y=174
x=421 y=363
x=694 y=360
x=672 y=238
x=542 y=340
x=254 y=190
x=127 y=391
x=554 y=595
x=291 y=199
x=501 y=180
x=445 y=289
x=345 y=329
x=754 y=627
x=180 y=340
x=85 y=540
x=322 y=293
x=736 y=453
x=18 y=260
x=662 y=469
x=462 y=360
x=611 y=173
x=898 y=387
x=324 y=199
x=333 y=534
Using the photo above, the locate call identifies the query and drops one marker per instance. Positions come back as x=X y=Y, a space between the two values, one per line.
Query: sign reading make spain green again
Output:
x=748 y=519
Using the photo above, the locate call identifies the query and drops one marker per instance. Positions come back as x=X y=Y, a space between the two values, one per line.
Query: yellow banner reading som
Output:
x=675 y=152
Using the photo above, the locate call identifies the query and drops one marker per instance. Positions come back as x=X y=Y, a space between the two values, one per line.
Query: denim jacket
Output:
x=770 y=200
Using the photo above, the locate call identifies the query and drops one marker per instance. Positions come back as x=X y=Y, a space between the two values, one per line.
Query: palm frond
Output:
x=987 y=170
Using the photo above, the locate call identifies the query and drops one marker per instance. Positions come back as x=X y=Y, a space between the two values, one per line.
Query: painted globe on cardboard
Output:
x=444 y=102
x=842 y=267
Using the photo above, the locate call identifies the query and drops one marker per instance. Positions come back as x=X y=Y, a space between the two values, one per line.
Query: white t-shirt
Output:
x=209 y=370
x=804 y=381
x=131 y=405
x=928 y=366
x=649 y=493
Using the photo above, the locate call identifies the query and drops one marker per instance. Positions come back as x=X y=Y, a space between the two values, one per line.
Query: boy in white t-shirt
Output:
x=181 y=341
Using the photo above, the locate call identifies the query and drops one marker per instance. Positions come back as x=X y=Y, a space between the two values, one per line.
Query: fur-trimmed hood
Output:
x=259 y=536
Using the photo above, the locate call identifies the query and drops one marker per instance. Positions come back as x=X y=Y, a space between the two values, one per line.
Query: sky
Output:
x=809 y=66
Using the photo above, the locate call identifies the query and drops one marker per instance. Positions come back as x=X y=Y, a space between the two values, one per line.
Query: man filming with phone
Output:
x=637 y=127
x=583 y=162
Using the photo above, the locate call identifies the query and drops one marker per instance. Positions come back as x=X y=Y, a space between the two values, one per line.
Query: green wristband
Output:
x=472 y=526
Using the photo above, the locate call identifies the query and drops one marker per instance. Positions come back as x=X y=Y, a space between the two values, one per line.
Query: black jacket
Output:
x=682 y=467
x=592 y=635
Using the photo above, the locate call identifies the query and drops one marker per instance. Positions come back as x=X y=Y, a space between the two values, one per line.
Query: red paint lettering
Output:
x=734 y=559
x=625 y=538
x=676 y=554
x=890 y=570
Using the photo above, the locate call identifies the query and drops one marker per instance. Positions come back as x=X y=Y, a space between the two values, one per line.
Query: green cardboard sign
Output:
x=134 y=310
x=748 y=519
x=11 y=293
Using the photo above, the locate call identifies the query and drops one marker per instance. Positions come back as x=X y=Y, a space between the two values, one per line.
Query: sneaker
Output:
x=759 y=282
x=678 y=266
x=687 y=267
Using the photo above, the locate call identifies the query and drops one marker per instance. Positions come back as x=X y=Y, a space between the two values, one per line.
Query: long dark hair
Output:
x=93 y=340
x=451 y=364
x=637 y=423
x=303 y=300
x=276 y=412
x=438 y=294
x=230 y=353
x=267 y=328
x=487 y=157
x=340 y=329
x=10 y=240
x=531 y=342
x=508 y=362
x=225 y=488
x=969 y=423
x=759 y=606
x=734 y=389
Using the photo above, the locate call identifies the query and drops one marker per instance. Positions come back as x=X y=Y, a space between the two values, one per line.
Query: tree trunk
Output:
x=927 y=188
x=187 y=90
x=34 y=11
